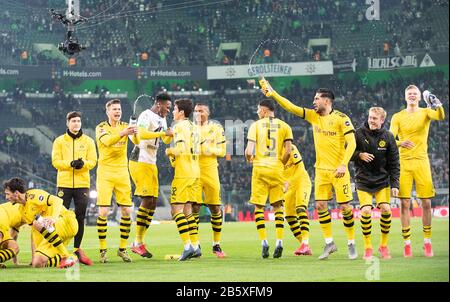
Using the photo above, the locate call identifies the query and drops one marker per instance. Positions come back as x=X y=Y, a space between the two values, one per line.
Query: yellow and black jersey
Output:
x=112 y=148
x=414 y=126
x=294 y=159
x=186 y=150
x=39 y=202
x=212 y=144
x=11 y=216
x=334 y=134
x=329 y=137
x=269 y=135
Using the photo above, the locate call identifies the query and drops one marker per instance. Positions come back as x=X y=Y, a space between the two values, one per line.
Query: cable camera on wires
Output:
x=70 y=46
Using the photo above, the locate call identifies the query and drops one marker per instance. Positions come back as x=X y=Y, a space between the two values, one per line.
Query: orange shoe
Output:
x=83 y=258
x=384 y=252
x=368 y=254
x=428 y=250
x=407 y=251
x=67 y=262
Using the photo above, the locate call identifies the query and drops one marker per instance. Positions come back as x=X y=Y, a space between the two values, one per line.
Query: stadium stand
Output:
x=171 y=34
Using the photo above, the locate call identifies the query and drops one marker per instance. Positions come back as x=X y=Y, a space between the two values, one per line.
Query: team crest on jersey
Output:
x=382 y=143
x=30 y=196
x=60 y=193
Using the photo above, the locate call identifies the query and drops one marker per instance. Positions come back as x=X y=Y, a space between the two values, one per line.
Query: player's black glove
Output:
x=77 y=164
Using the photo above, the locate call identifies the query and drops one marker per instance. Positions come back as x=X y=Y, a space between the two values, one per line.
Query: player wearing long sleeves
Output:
x=296 y=200
x=112 y=173
x=143 y=168
x=185 y=185
x=74 y=155
x=410 y=126
x=52 y=223
x=334 y=141
x=377 y=172
x=10 y=223
x=212 y=146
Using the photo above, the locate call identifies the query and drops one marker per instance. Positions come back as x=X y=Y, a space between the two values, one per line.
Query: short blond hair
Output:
x=379 y=111
x=412 y=87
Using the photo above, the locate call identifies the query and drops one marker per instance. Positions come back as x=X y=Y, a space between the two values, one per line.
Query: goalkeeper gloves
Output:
x=77 y=164
x=432 y=101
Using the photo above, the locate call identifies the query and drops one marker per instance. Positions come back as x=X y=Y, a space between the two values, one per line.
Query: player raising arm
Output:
x=334 y=141
x=410 y=126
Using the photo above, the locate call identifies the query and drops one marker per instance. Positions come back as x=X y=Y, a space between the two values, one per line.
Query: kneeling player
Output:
x=10 y=222
x=56 y=224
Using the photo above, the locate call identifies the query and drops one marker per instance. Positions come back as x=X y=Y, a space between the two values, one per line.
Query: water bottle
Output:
x=39 y=219
x=133 y=120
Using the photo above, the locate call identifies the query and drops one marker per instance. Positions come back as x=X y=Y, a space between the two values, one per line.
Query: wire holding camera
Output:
x=70 y=46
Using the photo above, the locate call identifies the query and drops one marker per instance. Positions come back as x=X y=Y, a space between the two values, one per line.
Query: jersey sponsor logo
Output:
x=119 y=144
x=324 y=132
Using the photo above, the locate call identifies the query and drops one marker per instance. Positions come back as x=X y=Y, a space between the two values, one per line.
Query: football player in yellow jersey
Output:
x=185 y=185
x=334 y=141
x=55 y=224
x=411 y=126
x=297 y=193
x=74 y=155
x=113 y=175
x=269 y=139
x=212 y=145
x=10 y=222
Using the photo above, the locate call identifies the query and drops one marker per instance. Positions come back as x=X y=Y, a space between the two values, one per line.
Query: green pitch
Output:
x=244 y=262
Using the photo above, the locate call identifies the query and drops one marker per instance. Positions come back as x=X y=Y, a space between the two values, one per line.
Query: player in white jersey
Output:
x=143 y=169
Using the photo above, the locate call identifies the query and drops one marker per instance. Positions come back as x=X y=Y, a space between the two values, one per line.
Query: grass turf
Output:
x=243 y=261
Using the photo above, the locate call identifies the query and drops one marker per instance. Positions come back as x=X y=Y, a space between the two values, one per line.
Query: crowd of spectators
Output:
x=169 y=33
x=26 y=160
x=16 y=143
